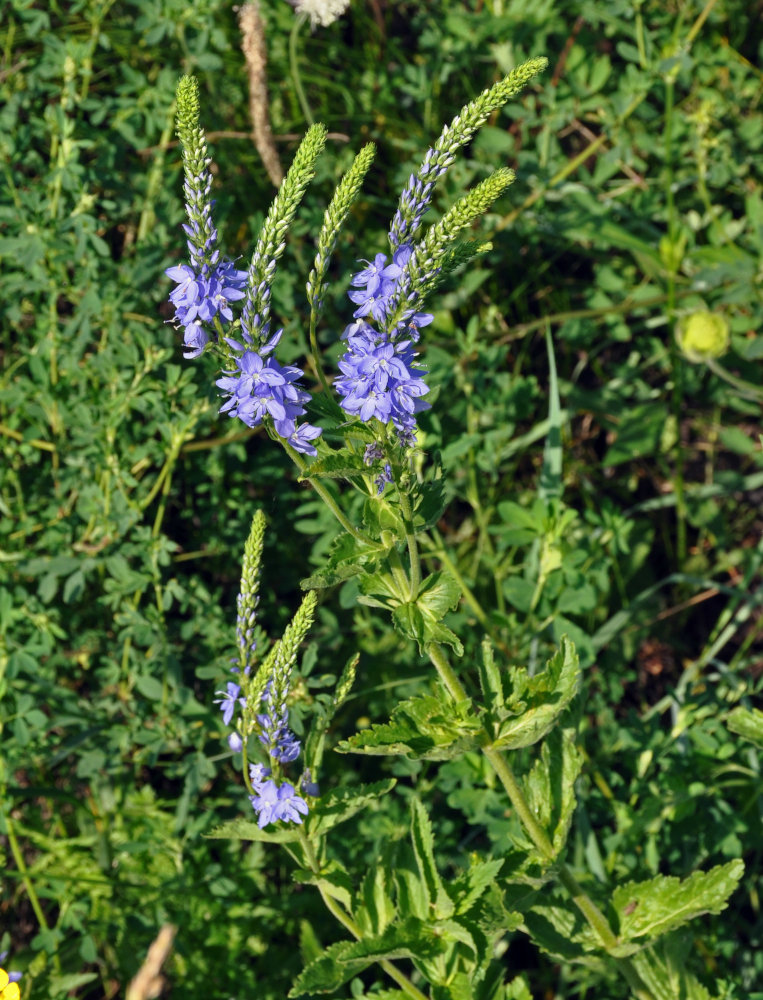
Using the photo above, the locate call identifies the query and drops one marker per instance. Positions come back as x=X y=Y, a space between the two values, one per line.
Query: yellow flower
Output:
x=8 y=990
x=703 y=335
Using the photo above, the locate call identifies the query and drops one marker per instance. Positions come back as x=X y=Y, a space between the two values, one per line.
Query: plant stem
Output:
x=34 y=900
x=590 y=911
x=324 y=494
x=410 y=538
x=314 y=351
x=349 y=924
x=294 y=64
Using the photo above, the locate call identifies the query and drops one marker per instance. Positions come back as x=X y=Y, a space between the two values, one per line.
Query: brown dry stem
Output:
x=148 y=983
x=253 y=47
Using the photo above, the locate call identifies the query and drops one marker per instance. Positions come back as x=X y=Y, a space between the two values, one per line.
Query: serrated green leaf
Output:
x=424 y=728
x=561 y=931
x=330 y=577
x=378 y=590
x=380 y=516
x=413 y=623
x=518 y=989
x=411 y=891
x=490 y=678
x=471 y=884
x=245 y=829
x=339 y=465
x=343 y=803
x=748 y=723
x=664 y=971
x=649 y=909
x=347 y=558
x=440 y=903
x=535 y=703
x=346 y=959
x=438 y=594
x=333 y=879
x=550 y=785
x=377 y=910
x=429 y=503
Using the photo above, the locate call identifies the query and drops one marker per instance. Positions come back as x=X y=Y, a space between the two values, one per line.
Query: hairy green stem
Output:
x=590 y=911
x=349 y=924
x=315 y=353
x=326 y=497
x=410 y=538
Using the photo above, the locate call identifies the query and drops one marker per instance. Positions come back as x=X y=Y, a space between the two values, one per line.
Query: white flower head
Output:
x=323 y=12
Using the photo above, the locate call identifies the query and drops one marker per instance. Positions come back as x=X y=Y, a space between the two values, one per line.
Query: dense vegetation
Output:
x=127 y=499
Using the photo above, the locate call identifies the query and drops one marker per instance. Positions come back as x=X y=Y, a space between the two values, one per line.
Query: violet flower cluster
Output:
x=270 y=719
x=257 y=388
x=379 y=375
x=260 y=387
x=206 y=286
x=271 y=800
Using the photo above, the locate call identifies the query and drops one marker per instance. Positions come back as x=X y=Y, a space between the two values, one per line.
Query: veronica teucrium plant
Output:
x=431 y=938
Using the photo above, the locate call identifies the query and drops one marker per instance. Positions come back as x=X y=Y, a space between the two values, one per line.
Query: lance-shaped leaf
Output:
x=328 y=577
x=748 y=723
x=425 y=728
x=550 y=786
x=334 y=880
x=423 y=627
x=377 y=909
x=490 y=678
x=343 y=803
x=422 y=619
x=379 y=515
x=246 y=829
x=440 y=903
x=533 y=704
x=438 y=594
x=347 y=558
x=471 y=884
x=559 y=929
x=338 y=465
x=665 y=971
x=648 y=909
x=518 y=989
x=428 y=499
x=379 y=590
x=346 y=959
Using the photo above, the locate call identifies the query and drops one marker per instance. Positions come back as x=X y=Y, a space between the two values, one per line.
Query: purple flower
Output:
x=235 y=742
x=309 y=787
x=202 y=295
x=378 y=282
x=384 y=477
x=258 y=774
x=228 y=701
x=291 y=807
x=378 y=379
x=275 y=735
x=302 y=439
x=417 y=195
x=260 y=388
x=273 y=803
x=265 y=802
